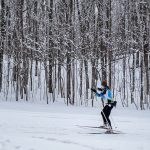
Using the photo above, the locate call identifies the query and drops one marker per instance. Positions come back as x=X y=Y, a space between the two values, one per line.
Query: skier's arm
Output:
x=101 y=94
x=100 y=89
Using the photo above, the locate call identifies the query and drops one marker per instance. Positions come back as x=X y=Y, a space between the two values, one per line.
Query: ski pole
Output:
x=113 y=121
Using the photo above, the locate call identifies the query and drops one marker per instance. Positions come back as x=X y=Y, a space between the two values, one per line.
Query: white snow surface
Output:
x=25 y=126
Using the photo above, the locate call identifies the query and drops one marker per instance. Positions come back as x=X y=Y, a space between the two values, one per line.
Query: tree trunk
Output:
x=3 y=33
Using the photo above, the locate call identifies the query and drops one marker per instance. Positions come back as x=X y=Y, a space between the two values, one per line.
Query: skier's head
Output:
x=104 y=83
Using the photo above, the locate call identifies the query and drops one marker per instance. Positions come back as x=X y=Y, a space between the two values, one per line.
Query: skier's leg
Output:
x=109 y=122
x=103 y=115
x=109 y=108
x=104 y=118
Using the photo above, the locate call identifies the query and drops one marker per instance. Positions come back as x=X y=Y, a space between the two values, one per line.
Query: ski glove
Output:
x=100 y=89
x=114 y=103
x=93 y=90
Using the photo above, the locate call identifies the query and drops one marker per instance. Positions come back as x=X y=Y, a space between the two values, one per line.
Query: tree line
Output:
x=63 y=47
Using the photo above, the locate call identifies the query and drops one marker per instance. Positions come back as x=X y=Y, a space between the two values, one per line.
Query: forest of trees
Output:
x=63 y=47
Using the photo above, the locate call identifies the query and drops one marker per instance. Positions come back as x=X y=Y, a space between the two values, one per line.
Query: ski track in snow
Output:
x=44 y=127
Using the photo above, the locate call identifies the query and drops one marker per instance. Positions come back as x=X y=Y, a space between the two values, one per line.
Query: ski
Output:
x=108 y=132
x=98 y=127
x=88 y=126
x=112 y=131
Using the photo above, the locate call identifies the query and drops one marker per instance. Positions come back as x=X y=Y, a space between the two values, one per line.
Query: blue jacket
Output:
x=106 y=94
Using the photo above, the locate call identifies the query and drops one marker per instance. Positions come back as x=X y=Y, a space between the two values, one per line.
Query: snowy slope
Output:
x=57 y=127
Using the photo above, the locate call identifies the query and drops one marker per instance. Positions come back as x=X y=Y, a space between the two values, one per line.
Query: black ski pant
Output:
x=106 y=113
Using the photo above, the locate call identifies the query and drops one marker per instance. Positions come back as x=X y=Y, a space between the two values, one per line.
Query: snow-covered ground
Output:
x=26 y=126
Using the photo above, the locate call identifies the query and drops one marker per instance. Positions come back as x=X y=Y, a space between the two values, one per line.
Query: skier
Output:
x=106 y=94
